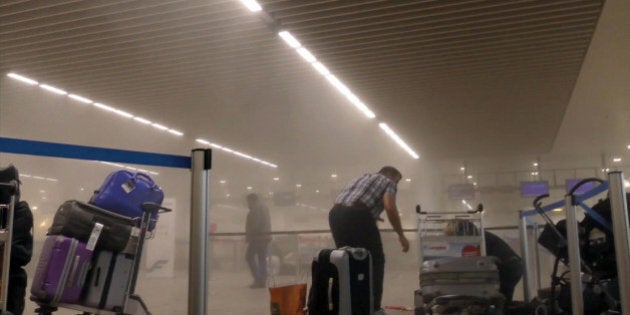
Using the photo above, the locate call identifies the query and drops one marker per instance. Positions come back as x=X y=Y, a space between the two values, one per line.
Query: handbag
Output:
x=288 y=300
x=124 y=192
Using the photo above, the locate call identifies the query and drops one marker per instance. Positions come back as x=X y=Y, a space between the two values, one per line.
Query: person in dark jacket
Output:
x=21 y=245
x=509 y=263
x=257 y=229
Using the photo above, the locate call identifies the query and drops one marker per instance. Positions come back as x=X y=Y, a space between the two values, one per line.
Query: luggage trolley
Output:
x=456 y=277
x=435 y=242
x=6 y=231
x=133 y=303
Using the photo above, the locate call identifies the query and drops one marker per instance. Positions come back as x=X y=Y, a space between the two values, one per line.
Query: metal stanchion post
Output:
x=536 y=233
x=618 y=205
x=522 y=228
x=197 y=273
x=577 y=304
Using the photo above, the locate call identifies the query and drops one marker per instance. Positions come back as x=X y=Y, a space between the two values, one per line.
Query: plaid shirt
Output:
x=369 y=190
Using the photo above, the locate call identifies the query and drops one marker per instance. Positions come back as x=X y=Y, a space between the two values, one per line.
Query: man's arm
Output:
x=389 y=201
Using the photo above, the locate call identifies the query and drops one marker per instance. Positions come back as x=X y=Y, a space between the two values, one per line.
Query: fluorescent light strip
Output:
x=252 y=5
x=80 y=98
x=321 y=68
x=53 y=89
x=398 y=140
x=176 y=132
x=123 y=113
x=342 y=88
x=306 y=55
x=22 y=78
x=89 y=101
x=142 y=120
x=103 y=107
x=289 y=39
x=234 y=152
x=158 y=126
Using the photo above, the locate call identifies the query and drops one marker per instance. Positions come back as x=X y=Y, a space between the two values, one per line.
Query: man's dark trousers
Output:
x=356 y=227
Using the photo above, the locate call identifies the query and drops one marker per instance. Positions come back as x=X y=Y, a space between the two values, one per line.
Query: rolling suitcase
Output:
x=107 y=283
x=61 y=271
x=476 y=277
x=77 y=220
x=342 y=282
x=124 y=192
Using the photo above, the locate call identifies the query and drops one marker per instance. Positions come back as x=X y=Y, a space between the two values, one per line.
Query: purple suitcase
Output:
x=124 y=192
x=61 y=271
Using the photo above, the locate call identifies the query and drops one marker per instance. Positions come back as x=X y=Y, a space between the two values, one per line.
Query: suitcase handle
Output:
x=331 y=304
x=144 y=177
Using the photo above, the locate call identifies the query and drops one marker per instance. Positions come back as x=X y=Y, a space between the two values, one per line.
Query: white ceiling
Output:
x=460 y=80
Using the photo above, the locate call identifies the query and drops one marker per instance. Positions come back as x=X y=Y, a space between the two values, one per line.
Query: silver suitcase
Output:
x=460 y=276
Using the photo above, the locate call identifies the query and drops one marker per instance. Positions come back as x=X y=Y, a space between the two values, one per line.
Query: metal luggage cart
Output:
x=6 y=235
x=437 y=239
x=133 y=303
x=435 y=242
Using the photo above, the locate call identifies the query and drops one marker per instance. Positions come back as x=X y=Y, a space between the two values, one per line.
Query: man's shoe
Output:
x=380 y=311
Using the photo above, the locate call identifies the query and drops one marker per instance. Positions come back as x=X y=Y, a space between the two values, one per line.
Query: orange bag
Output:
x=288 y=300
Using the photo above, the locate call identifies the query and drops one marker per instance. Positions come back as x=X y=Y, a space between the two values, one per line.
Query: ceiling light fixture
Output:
x=80 y=98
x=276 y=178
x=53 y=89
x=104 y=107
x=616 y=160
x=123 y=113
x=343 y=89
x=289 y=39
x=321 y=68
x=306 y=55
x=237 y=153
x=176 y=132
x=158 y=126
x=22 y=78
x=398 y=140
x=142 y=120
x=252 y=5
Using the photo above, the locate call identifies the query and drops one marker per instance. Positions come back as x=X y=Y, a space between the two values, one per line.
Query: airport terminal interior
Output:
x=474 y=101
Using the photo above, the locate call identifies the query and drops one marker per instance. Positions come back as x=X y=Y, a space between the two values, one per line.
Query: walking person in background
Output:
x=354 y=216
x=257 y=235
x=21 y=243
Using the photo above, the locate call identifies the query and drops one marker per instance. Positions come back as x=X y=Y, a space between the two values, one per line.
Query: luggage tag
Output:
x=96 y=233
x=128 y=186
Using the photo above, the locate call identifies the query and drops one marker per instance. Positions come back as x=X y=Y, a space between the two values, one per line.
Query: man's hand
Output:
x=404 y=243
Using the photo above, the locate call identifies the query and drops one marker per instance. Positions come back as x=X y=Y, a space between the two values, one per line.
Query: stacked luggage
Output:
x=456 y=277
x=462 y=284
x=92 y=252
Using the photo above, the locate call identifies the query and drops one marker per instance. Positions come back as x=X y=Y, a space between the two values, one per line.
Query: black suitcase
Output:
x=342 y=283
x=77 y=220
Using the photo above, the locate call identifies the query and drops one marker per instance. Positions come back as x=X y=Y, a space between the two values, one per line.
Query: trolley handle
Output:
x=584 y=181
x=152 y=206
x=11 y=186
x=478 y=210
